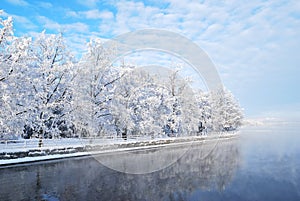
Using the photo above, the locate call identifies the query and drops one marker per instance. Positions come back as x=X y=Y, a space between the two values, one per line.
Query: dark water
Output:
x=261 y=164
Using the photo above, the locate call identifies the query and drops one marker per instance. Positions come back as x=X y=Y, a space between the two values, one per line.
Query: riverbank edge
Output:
x=33 y=156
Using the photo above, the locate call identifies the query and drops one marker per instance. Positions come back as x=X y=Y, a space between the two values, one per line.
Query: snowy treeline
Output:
x=46 y=92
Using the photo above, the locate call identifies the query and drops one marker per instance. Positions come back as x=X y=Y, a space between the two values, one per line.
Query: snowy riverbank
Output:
x=27 y=151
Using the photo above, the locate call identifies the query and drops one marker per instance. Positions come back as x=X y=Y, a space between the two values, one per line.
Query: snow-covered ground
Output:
x=24 y=151
x=29 y=144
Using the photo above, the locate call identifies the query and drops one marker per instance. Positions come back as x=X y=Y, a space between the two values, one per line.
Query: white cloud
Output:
x=48 y=23
x=96 y=14
x=45 y=4
x=55 y=26
x=25 y=22
x=88 y=3
x=91 y=14
x=18 y=2
x=76 y=27
x=135 y=15
x=71 y=13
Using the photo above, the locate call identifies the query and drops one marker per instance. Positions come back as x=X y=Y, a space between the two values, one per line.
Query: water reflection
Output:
x=87 y=179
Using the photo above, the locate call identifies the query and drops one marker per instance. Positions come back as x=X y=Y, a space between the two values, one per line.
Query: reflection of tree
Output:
x=86 y=179
x=195 y=170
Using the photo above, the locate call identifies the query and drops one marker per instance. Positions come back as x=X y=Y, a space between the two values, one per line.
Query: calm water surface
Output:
x=261 y=164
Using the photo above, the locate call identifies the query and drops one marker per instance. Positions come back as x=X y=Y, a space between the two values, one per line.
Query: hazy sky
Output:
x=255 y=45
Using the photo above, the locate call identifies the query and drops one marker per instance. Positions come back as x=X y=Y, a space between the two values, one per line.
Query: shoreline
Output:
x=38 y=155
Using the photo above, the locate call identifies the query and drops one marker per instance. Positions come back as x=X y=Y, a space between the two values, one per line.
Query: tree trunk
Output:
x=124 y=134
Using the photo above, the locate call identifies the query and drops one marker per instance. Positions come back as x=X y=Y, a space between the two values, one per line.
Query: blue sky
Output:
x=255 y=45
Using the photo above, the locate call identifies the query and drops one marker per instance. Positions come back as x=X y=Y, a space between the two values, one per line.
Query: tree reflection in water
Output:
x=200 y=168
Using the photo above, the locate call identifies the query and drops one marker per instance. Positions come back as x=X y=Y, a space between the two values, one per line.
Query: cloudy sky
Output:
x=255 y=45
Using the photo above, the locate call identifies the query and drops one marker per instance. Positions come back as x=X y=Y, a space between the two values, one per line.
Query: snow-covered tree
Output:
x=19 y=51
x=6 y=36
x=226 y=115
x=150 y=109
x=13 y=60
x=205 y=110
x=183 y=117
x=138 y=105
x=43 y=92
x=93 y=89
x=46 y=95
x=146 y=104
